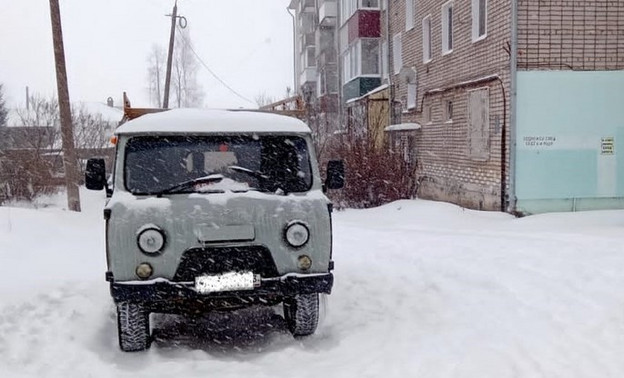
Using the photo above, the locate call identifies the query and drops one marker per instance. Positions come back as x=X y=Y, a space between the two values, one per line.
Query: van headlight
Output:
x=151 y=239
x=297 y=234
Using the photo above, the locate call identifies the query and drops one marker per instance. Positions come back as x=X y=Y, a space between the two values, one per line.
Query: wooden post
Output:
x=70 y=162
x=174 y=18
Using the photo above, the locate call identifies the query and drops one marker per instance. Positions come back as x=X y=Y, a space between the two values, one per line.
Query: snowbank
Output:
x=423 y=289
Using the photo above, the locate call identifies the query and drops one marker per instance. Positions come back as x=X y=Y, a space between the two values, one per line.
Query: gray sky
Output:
x=248 y=43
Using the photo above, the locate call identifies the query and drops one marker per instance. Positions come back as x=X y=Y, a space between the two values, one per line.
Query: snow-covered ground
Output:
x=422 y=289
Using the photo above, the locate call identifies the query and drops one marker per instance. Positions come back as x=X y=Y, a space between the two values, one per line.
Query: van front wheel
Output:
x=301 y=313
x=133 y=327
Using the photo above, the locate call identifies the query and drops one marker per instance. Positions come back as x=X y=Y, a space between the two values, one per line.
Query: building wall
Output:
x=447 y=169
x=571 y=35
x=569 y=109
x=570 y=140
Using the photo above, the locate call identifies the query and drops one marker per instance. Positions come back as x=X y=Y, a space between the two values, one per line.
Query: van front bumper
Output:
x=163 y=290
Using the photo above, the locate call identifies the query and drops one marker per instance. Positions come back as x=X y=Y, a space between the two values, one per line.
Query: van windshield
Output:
x=182 y=164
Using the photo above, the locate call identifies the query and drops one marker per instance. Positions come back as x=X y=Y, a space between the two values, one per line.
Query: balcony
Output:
x=364 y=24
x=328 y=10
x=308 y=75
x=306 y=6
x=359 y=87
x=327 y=56
x=307 y=40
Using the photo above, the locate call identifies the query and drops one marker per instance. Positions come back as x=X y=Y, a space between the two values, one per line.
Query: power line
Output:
x=188 y=44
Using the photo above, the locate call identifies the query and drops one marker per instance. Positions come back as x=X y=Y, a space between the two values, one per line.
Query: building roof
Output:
x=27 y=137
x=212 y=121
x=109 y=114
x=112 y=115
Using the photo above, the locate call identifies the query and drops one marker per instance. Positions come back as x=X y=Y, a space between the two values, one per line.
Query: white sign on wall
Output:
x=607 y=146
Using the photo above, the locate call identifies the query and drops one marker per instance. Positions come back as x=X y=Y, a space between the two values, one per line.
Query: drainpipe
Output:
x=295 y=53
x=390 y=67
x=511 y=207
x=341 y=109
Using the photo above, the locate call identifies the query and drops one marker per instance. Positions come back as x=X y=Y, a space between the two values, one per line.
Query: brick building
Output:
x=568 y=114
x=519 y=102
x=512 y=105
x=450 y=69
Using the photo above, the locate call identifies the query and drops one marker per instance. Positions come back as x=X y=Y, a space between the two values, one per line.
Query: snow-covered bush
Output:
x=374 y=176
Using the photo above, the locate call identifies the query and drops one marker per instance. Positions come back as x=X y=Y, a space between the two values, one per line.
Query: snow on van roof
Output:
x=212 y=121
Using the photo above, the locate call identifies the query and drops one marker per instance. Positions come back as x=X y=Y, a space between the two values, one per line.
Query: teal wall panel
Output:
x=570 y=137
x=557 y=174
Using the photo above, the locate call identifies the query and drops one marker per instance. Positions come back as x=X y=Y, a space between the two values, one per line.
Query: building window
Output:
x=370 y=56
x=479 y=19
x=397 y=53
x=447 y=27
x=384 y=59
x=411 y=96
x=327 y=80
x=353 y=58
x=361 y=58
x=349 y=7
x=409 y=14
x=428 y=117
x=426 y=25
x=310 y=58
x=369 y=4
x=346 y=72
x=448 y=111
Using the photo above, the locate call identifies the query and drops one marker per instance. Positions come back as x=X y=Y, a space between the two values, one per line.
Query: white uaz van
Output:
x=215 y=210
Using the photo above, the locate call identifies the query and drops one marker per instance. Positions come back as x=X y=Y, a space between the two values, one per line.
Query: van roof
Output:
x=212 y=121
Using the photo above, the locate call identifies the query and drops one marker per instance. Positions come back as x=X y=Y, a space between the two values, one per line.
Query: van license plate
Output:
x=231 y=281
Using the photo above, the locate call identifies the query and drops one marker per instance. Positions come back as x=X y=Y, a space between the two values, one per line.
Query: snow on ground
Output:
x=423 y=289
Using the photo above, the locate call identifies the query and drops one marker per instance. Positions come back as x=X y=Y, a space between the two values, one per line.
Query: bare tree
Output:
x=41 y=112
x=33 y=165
x=186 y=88
x=91 y=131
x=263 y=99
x=33 y=156
x=156 y=68
x=4 y=112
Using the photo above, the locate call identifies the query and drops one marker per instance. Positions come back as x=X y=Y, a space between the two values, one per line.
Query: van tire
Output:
x=133 y=327
x=301 y=313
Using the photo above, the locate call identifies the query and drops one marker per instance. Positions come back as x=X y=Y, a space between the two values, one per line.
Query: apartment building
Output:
x=316 y=65
x=512 y=105
x=456 y=68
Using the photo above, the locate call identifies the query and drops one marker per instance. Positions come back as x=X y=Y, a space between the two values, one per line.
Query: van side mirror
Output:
x=335 y=174
x=95 y=175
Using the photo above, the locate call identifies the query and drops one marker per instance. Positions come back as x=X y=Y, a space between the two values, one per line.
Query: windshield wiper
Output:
x=250 y=172
x=181 y=187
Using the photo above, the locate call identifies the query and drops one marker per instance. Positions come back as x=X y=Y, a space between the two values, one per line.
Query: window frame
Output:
x=448 y=110
x=410 y=13
x=397 y=52
x=412 y=96
x=352 y=61
x=427 y=45
x=428 y=114
x=447 y=28
x=476 y=20
x=385 y=68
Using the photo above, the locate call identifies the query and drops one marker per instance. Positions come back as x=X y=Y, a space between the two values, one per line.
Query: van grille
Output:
x=201 y=261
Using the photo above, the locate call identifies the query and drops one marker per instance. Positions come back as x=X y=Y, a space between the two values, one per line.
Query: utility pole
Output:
x=174 y=17
x=70 y=162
